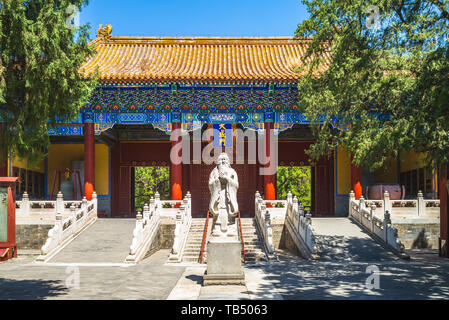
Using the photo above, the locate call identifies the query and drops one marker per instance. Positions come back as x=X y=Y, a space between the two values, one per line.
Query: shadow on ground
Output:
x=30 y=289
x=302 y=280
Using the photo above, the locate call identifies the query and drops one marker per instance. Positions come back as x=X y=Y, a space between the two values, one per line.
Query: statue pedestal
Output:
x=224 y=263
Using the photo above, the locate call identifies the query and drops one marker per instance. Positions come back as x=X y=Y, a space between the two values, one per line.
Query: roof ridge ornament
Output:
x=104 y=33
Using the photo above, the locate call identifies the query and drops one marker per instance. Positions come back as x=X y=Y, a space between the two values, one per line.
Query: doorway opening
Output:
x=300 y=181
x=145 y=181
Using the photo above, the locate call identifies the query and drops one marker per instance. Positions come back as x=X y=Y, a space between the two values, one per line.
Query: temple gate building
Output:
x=150 y=87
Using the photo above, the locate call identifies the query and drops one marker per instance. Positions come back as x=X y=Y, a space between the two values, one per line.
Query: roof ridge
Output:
x=203 y=40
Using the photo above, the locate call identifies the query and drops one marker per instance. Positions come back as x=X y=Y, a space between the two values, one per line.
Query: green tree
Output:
x=148 y=180
x=41 y=53
x=297 y=180
x=380 y=79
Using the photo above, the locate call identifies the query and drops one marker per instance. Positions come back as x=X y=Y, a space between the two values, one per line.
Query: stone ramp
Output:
x=341 y=239
x=106 y=241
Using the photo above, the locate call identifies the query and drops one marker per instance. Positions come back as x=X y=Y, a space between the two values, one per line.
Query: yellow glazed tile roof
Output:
x=182 y=59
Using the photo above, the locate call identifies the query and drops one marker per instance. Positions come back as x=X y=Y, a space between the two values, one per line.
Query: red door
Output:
x=124 y=202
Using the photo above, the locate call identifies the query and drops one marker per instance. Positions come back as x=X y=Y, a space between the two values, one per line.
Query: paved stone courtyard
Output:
x=423 y=277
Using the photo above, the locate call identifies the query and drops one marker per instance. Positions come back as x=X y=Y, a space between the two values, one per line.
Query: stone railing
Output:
x=147 y=225
x=418 y=207
x=300 y=228
x=380 y=228
x=183 y=222
x=263 y=221
x=65 y=230
x=47 y=208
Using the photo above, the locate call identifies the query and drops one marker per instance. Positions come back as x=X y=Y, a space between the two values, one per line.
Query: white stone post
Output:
x=146 y=212
x=152 y=204
x=178 y=228
x=256 y=201
x=260 y=204
x=84 y=204
x=387 y=202
x=25 y=205
x=386 y=223
x=60 y=202
x=373 y=208
x=185 y=204
x=139 y=225
x=421 y=205
x=95 y=200
x=361 y=207
x=351 y=199
x=189 y=199
x=308 y=218
x=267 y=218
x=58 y=228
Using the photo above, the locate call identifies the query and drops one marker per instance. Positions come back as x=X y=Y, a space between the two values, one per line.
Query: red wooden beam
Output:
x=176 y=169
x=356 y=180
x=89 y=159
x=269 y=180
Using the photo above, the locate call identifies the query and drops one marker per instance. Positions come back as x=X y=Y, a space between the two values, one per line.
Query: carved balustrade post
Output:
x=387 y=202
x=421 y=205
x=25 y=206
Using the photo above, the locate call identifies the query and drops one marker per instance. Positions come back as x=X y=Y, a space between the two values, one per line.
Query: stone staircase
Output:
x=194 y=238
x=253 y=245
x=253 y=248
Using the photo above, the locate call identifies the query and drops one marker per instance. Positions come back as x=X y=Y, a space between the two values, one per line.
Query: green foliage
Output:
x=297 y=180
x=40 y=78
x=148 y=180
x=387 y=88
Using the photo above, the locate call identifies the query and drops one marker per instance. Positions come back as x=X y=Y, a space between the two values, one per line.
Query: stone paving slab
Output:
x=189 y=287
x=291 y=278
x=341 y=239
x=107 y=240
x=150 y=280
x=320 y=280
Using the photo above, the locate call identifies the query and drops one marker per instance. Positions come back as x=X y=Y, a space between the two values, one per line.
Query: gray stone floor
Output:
x=322 y=280
x=341 y=239
x=106 y=241
x=150 y=280
x=340 y=274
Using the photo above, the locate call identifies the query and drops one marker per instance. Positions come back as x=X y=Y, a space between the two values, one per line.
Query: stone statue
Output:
x=223 y=186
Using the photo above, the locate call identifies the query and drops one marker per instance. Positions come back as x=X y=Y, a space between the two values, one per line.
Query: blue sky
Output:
x=195 y=17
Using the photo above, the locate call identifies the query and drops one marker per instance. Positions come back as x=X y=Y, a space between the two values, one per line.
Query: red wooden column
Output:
x=176 y=169
x=444 y=223
x=3 y=155
x=89 y=158
x=356 y=180
x=269 y=180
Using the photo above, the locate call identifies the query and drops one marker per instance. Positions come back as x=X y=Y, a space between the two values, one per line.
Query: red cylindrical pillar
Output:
x=176 y=169
x=3 y=155
x=356 y=180
x=89 y=159
x=444 y=223
x=269 y=180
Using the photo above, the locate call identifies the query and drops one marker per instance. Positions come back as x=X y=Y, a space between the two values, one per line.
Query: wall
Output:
x=423 y=233
x=343 y=181
x=23 y=164
x=31 y=236
x=60 y=157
